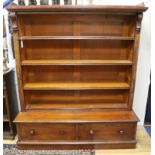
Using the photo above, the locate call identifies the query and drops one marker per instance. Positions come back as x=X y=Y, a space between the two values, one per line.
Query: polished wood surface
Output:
x=58 y=134
x=92 y=75
x=143 y=146
x=87 y=99
x=76 y=127
x=107 y=132
x=115 y=8
x=75 y=145
x=85 y=50
x=76 y=27
x=135 y=59
x=52 y=132
x=75 y=37
x=70 y=106
x=68 y=116
x=75 y=86
x=76 y=70
x=74 y=62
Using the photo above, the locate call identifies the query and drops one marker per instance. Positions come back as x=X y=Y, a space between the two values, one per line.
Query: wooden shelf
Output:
x=76 y=116
x=75 y=86
x=76 y=37
x=75 y=62
x=79 y=8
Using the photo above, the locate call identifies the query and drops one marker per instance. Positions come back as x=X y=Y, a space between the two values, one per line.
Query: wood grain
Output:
x=86 y=8
x=143 y=146
x=75 y=38
x=75 y=86
x=76 y=116
x=135 y=59
x=76 y=70
x=17 y=57
x=52 y=132
x=74 y=62
x=76 y=146
x=72 y=106
x=86 y=99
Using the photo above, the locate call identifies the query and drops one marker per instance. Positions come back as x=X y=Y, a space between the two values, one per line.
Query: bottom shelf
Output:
x=76 y=116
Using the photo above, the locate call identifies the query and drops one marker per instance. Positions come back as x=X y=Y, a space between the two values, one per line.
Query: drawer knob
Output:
x=121 y=132
x=62 y=132
x=32 y=132
x=91 y=132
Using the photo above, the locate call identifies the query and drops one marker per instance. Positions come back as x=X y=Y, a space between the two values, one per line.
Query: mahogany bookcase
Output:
x=76 y=68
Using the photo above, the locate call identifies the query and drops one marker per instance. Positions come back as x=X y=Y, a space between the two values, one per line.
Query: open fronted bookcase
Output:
x=76 y=72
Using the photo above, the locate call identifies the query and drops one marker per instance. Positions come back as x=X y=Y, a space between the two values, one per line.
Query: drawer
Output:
x=107 y=131
x=45 y=132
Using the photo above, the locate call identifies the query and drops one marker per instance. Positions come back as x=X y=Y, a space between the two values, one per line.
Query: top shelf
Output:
x=76 y=38
x=79 y=8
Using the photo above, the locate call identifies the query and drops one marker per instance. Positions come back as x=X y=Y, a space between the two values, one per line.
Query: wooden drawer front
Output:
x=107 y=131
x=46 y=132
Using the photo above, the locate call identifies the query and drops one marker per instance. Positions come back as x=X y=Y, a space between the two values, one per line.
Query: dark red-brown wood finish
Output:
x=76 y=69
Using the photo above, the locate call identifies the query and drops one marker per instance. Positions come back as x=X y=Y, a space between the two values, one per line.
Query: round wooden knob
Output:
x=121 y=132
x=32 y=132
x=91 y=132
x=62 y=132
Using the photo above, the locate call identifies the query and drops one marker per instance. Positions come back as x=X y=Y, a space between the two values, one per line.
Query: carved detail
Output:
x=13 y=19
x=139 y=19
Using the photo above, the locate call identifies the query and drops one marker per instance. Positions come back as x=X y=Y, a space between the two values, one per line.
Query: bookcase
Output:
x=76 y=69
